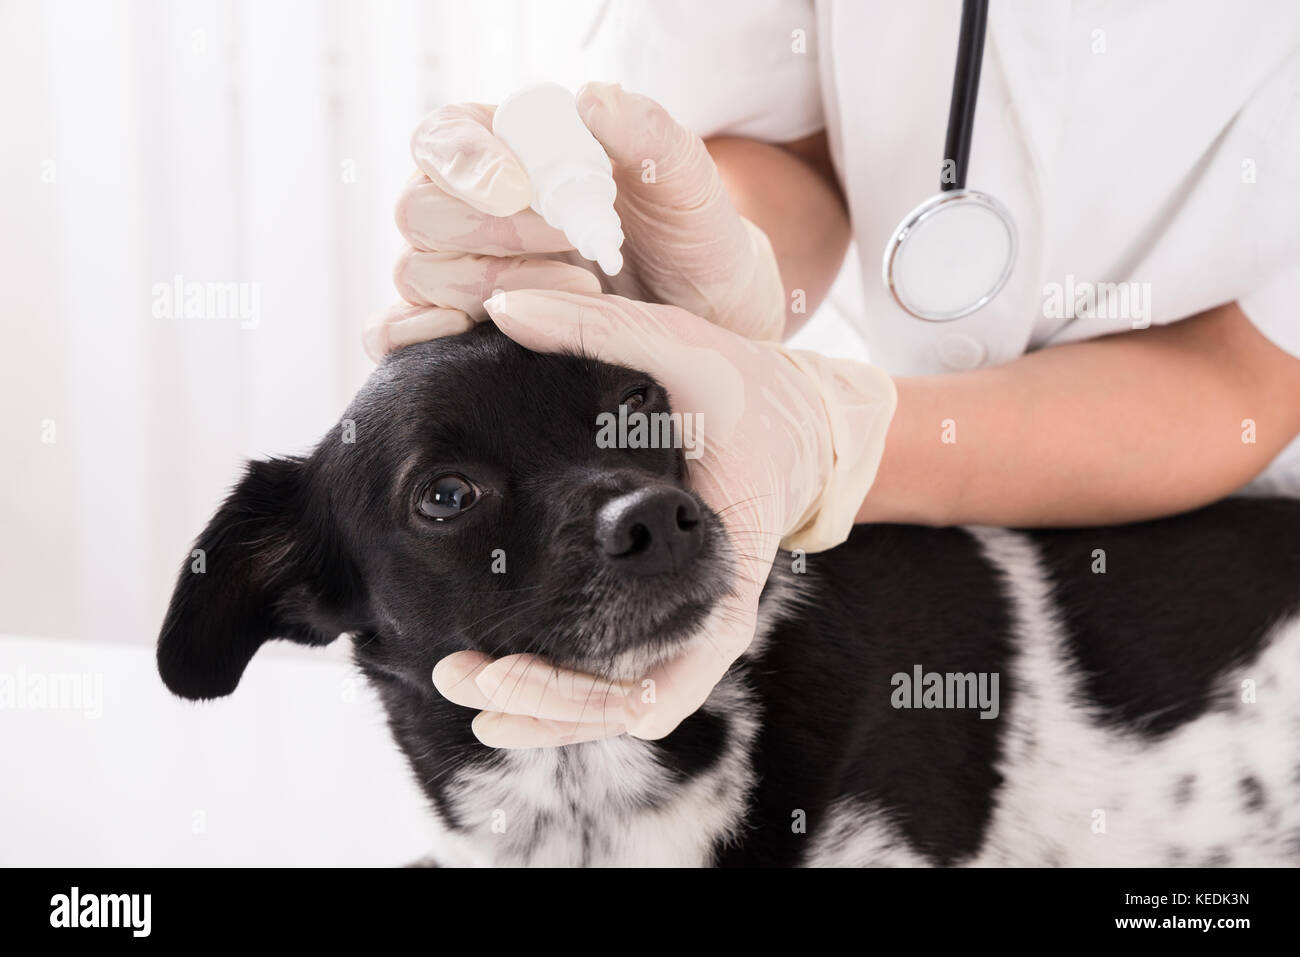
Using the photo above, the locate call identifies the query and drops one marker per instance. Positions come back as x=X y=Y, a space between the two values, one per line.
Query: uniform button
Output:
x=960 y=352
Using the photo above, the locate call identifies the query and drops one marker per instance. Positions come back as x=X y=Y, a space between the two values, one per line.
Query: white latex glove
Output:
x=791 y=442
x=471 y=232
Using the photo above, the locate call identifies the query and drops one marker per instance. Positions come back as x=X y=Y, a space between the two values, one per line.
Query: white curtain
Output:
x=256 y=146
x=259 y=144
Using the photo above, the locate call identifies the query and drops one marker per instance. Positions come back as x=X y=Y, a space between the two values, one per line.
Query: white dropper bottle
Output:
x=571 y=177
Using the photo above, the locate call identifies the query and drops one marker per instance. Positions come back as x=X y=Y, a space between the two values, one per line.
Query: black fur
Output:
x=1211 y=584
x=933 y=772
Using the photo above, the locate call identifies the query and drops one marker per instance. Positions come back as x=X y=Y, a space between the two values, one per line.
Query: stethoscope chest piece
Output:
x=951 y=255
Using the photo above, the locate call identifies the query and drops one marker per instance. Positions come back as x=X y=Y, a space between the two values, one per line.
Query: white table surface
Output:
x=295 y=768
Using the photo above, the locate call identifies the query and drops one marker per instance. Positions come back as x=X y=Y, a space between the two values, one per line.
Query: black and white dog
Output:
x=955 y=696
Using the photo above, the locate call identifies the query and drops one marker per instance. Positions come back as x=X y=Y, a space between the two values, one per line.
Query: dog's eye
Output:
x=447 y=496
x=635 y=398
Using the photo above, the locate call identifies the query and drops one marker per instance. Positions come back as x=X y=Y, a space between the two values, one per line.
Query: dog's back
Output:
x=1146 y=707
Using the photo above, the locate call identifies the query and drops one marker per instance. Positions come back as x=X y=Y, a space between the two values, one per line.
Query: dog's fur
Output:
x=1149 y=675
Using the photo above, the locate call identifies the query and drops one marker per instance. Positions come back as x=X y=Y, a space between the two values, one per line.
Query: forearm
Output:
x=790 y=192
x=1116 y=429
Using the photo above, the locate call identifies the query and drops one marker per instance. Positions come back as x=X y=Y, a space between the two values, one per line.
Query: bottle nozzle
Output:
x=584 y=209
x=571 y=177
x=610 y=261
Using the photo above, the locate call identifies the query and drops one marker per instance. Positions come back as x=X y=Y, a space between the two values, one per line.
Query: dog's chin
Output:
x=618 y=648
x=629 y=653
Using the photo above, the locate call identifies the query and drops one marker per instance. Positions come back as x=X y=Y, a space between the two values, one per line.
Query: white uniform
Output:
x=1153 y=147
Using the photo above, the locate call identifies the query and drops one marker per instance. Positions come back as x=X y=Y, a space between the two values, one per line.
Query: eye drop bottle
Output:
x=571 y=177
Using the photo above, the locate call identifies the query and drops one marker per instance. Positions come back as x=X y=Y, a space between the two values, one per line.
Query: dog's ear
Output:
x=265 y=567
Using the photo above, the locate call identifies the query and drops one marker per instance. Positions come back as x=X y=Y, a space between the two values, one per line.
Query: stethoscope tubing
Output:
x=965 y=93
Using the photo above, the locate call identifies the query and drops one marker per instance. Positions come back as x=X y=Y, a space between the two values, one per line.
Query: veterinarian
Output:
x=1136 y=353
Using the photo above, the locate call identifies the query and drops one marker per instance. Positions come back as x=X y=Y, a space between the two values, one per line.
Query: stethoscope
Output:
x=952 y=255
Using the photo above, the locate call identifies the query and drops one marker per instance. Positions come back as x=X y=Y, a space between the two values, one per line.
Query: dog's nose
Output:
x=650 y=531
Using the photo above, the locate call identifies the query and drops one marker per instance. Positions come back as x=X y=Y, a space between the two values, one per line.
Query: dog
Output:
x=915 y=696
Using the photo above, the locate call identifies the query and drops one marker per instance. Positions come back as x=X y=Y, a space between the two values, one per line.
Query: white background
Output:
x=254 y=142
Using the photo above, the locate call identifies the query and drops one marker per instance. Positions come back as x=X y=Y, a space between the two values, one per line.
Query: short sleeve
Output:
x=735 y=67
x=1274 y=309
x=1274 y=116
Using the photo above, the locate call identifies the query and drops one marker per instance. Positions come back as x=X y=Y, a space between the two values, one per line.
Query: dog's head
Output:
x=468 y=499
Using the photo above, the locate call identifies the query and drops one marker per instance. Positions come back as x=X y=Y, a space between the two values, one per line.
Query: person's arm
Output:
x=1116 y=429
x=791 y=193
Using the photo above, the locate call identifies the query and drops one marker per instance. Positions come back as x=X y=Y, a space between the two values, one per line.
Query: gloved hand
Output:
x=791 y=442
x=470 y=230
